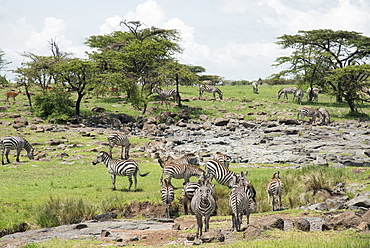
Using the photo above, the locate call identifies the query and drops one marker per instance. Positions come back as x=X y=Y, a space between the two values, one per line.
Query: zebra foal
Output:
x=164 y=94
x=275 y=191
x=119 y=139
x=203 y=204
x=223 y=158
x=286 y=91
x=117 y=167
x=188 y=192
x=168 y=196
x=239 y=202
x=15 y=143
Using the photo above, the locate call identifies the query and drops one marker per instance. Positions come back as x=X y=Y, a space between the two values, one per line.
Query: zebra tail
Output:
x=160 y=161
x=145 y=174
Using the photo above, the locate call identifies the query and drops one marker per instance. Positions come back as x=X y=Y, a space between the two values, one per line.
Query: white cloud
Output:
x=149 y=13
x=111 y=24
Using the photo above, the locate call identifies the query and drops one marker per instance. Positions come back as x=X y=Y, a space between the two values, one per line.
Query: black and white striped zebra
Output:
x=286 y=91
x=179 y=171
x=313 y=93
x=222 y=174
x=223 y=158
x=210 y=89
x=119 y=139
x=187 y=158
x=309 y=112
x=239 y=202
x=324 y=116
x=117 y=167
x=203 y=204
x=164 y=94
x=15 y=143
x=298 y=95
x=255 y=87
x=275 y=190
x=188 y=192
x=168 y=196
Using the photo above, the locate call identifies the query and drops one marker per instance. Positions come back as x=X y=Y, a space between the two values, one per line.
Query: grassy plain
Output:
x=30 y=187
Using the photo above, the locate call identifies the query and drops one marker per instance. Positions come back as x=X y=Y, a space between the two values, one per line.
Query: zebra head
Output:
x=205 y=191
x=30 y=154
x=276 y=174
x=243 y=180
x=102 y=156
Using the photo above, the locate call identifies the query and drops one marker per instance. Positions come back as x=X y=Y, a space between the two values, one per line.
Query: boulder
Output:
x=359 y=201
x=220 y=122
x=302 y=224
x=344 y=220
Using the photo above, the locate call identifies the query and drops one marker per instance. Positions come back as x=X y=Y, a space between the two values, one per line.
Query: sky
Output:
x=234 y=39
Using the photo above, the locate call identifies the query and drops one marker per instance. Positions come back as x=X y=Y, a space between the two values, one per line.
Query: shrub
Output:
x=53 y=105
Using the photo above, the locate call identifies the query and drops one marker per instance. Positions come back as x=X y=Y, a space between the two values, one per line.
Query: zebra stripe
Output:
x=119 y=139
x=117 y=167
x=164 y=94
x=298 y=95
x=313 y=93
x=286 y=91
x=309 y=112
x=179 y=171
x=210 y=89
x=15 y=143
x=239 y=203
x=220 y=172
x=168 y=196
x=223 y=158
x=324 y=116
x=203 y=204
x=255 y=87
x=188 y=158
x=275 y=190
x=189 y=190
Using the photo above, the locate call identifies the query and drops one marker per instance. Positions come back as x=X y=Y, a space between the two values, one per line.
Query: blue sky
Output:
x=234 y=39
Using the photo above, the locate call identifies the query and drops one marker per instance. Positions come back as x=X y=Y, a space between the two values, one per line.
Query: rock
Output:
x=98 y=109
x=302 y=224
x=318 y=206
x=105 y=216
x=80 y=226
x=344 y=220
x=271 y=222
x=336 y=203
x=14 y=115
x=252 y=231
x=220 y=122
x=212 y=236
x=105 y=233
x=359 y=201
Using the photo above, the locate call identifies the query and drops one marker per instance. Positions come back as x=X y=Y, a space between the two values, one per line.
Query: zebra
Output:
x=309 y=112
x=239 y=202
x=255 y=87
x=298 y=95
x=275 y=190
x=188 y=192
x=178 y=171
x=286 y=91
x=313 y=93
x=119 y=139
x=167 y=196
x=164 y=94
x=210 y=89
x=225 y=159
x=324 y=116
x=117 y=167
x=15 y=143
x=203 y=204
x=220 y=172
x=187 y=158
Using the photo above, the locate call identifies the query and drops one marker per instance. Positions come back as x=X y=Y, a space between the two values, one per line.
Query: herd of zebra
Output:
x=199 y=194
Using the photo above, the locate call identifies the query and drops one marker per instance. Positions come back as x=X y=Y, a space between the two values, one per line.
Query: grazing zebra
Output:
x=164 y=94
x=15 y=143
x=255 y=87
x=298 y=95
x=220 y=172
x=309 y=112
x=275 y=190
x=178 y=171
x=168 y=196
x=119 y=139
x=239 y=202
x=187 y=158
x=117 y=167
x=189 y=190
x=203 y=204
x=324 y=116
x=225 y=159
x=210 y=89
x=286 y=91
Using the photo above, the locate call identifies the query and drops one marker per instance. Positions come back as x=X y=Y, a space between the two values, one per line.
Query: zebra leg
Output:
x=206 y=222
x=135 y=180
x=113 y=181
x=234 y=221
x=18 y=153
x=130 y=182
x=185 y=204
x=238 y=221
x=127 y=151
x=2 y=156
x=200 y=225
x=110 y=150
x=122 y=152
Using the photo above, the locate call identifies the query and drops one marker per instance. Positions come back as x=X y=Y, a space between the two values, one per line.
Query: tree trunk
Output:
x=78 y=102
x=177 y=91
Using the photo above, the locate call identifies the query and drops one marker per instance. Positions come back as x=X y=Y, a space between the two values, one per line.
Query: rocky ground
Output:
x=250 y=144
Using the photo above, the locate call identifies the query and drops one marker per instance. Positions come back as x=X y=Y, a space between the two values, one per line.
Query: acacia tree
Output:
x=316 y=53
x=126 y=59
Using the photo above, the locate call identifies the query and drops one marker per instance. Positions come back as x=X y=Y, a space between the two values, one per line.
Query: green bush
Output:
x=55 y=105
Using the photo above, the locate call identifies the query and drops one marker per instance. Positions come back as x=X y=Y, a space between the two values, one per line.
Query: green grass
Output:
x=29 y=187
